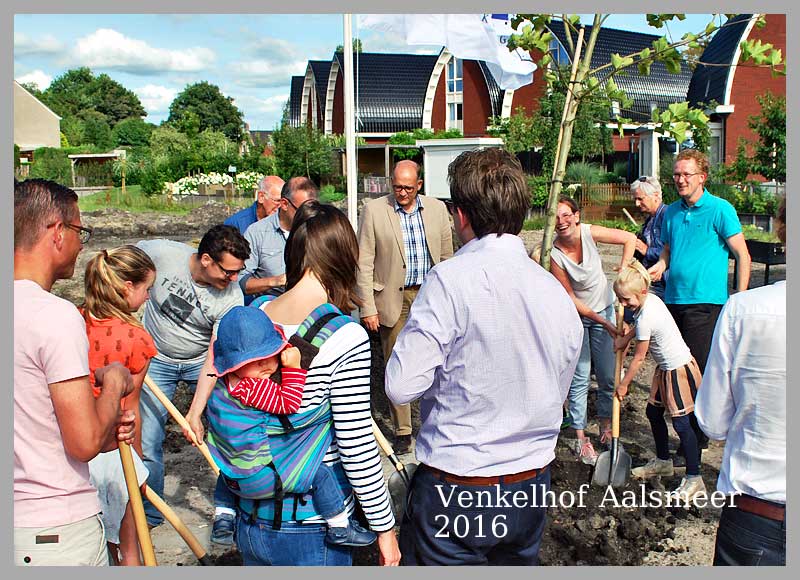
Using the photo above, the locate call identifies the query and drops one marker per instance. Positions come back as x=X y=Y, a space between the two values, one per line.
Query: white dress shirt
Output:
x=490 y=346
x=743 y=394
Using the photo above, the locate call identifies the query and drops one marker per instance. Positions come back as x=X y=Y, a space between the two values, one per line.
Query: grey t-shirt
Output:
x=588 y=280
x=181 y=315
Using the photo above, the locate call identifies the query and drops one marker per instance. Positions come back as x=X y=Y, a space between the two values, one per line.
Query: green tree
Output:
x=213 y=109
x=96 y=131
x=357 y=46
x=78 y=92
x=769 y=156
x=132 y=132
x=301 y=151
x=167 y=141
x=73 y=128
x=533 y=34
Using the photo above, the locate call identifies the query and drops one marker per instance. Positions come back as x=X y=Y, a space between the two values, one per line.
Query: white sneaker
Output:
x=653 y=468
x=690 y=488
x=585 y=451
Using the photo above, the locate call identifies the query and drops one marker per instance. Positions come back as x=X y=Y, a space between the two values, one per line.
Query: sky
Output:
x=250 y=57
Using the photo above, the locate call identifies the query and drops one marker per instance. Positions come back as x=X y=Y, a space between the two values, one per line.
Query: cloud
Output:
x=252 y=104
x=37 y=77
x=45 y=45
x=108 y=49
x=266 y=73
x=156 y=99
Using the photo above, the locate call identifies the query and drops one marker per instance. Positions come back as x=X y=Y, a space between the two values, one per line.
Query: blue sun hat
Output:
x=245 y=335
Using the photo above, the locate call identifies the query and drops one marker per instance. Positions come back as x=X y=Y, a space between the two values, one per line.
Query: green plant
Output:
x=752 y=232
x=621 y=170
x=328 y=194
x=581 y=172
x=539 y=186
x=52 y=164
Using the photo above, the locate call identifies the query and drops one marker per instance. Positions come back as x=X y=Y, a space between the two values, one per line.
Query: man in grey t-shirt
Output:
x=191 y=293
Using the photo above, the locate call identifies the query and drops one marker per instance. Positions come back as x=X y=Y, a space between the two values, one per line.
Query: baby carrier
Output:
x=285 y=461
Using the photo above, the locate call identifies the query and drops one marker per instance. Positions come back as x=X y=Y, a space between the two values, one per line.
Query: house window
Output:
x=455 y=94
x=558 y=53
x=715 y=152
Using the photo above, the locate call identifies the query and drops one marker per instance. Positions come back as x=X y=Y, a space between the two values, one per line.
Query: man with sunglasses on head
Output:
x=646 y=193
x=58 y=424
x=192 y=291
x=400 y=238
x=265 y=270
x=268 y=199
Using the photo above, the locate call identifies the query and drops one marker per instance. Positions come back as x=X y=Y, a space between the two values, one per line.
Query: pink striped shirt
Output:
x=267 y=395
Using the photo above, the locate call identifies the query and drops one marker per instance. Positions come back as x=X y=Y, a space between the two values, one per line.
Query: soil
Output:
x=598 y=533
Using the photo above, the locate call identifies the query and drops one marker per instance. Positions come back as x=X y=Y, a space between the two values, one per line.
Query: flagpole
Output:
x=349 y=120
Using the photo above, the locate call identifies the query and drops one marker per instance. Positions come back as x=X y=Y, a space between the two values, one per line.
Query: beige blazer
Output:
x=382 y=259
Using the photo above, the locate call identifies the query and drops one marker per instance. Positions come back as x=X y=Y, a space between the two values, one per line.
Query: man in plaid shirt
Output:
x=401 y=236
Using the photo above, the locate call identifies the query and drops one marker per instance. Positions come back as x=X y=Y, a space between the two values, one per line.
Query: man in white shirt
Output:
x=743 y=400
x=490 y=347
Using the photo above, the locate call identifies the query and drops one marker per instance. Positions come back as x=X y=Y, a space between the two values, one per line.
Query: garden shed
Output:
x=93 y=172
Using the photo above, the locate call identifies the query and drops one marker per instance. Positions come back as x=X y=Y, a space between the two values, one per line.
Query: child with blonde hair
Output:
x=675 y=380
x=117 y=283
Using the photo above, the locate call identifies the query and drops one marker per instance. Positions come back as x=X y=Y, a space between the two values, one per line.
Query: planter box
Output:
x=760 y=220
x=767 y=253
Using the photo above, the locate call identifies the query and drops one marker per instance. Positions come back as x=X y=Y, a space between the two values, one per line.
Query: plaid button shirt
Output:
x=418 y=259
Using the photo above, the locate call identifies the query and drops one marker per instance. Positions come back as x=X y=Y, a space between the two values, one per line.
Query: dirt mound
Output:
x=116 y=223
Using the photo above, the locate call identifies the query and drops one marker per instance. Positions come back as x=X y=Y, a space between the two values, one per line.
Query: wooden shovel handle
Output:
x=617 y=371
x=188 y=537
x=135 y=497
x=384 y=444
x=181 y=420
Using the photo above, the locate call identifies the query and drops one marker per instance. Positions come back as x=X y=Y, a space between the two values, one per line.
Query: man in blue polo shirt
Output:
x=699 y=231
x=268 y=199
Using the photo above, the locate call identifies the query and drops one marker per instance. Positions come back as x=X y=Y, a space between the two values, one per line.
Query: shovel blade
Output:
x=611 y=470
x=398 y=489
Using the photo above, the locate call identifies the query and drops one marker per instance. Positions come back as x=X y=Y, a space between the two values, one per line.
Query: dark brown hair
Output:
x=37 y=204
x=222 y=238
x=323 y=241
x=488 y=185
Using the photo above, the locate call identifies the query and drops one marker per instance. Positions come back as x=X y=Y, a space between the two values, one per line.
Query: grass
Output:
x=137 y=202
x=537 y=223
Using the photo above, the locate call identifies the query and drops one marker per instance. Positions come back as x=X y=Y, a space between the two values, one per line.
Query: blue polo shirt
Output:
x=698 y=262
x=244 y=218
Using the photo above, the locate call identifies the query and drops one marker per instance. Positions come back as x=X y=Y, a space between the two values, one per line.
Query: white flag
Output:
x=466 y=36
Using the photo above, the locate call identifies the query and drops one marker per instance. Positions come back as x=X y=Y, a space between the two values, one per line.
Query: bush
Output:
x=539 y=187
x=328 y=194
x=52 y=164
x=580 y=172
x=152 y=180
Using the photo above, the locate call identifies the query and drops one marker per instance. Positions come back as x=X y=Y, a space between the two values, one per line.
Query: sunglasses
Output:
x=448 y=203
x=228 y=273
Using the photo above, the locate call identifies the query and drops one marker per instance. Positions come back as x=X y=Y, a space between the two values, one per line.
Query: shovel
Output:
x=400 y=481
x=613 y=467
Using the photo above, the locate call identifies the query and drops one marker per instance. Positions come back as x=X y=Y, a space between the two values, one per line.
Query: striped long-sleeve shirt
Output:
x=267 y=395
x=340 y=373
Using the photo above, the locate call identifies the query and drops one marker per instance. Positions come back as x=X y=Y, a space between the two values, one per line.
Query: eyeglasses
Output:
x=677 y=176
x=228 y=273
x=644 y=178
x=289 y=201
x=84 y=233
x=404 y=188
x=448 y=203
x=563 y=216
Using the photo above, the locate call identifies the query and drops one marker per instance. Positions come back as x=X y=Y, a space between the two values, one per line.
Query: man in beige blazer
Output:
x=400 y=237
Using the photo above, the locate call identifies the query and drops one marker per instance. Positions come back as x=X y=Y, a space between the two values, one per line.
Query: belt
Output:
x=485 y=480
x=760 y=507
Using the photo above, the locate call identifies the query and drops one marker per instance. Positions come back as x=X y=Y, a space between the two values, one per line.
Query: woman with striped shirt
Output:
x=321 y=257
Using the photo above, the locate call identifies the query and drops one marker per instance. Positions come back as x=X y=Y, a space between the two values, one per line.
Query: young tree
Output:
x=533 y=34
x=301 y=150
x=769 y=156
x=213 y=110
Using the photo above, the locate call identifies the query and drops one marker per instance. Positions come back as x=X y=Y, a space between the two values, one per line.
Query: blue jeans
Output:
x=745 y=539
x=501 y=532
x=154 y=417
x=293 y=545
x=597 y=348
x=326 y=496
